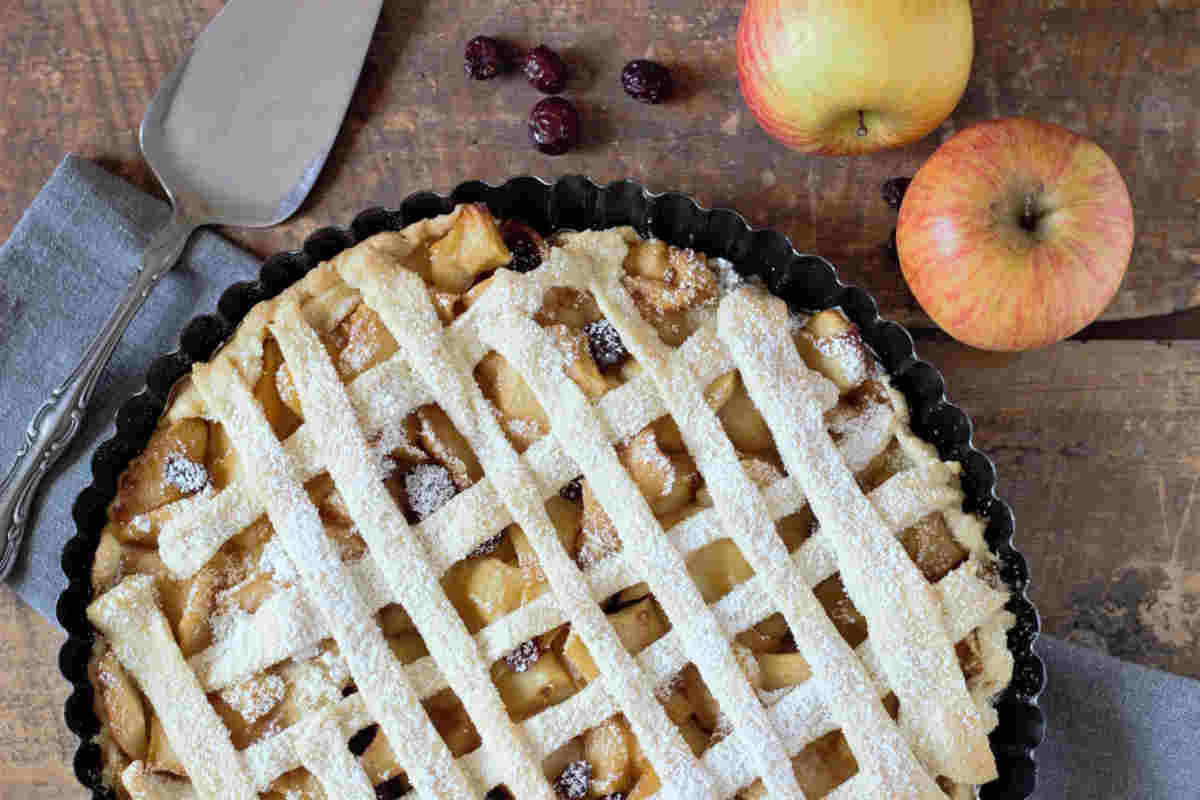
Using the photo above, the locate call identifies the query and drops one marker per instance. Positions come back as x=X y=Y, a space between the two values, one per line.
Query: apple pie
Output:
x=468 y=512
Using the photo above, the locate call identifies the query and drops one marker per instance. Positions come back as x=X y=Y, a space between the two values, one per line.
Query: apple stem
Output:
x=1029 y=216
x=862 y=125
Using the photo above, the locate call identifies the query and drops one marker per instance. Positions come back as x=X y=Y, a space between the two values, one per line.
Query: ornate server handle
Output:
x=58 y=420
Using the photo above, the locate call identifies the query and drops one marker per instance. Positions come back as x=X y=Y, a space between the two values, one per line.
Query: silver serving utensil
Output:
x=237 y=135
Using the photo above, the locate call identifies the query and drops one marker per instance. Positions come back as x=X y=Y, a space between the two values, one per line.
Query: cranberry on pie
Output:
x=611 y=524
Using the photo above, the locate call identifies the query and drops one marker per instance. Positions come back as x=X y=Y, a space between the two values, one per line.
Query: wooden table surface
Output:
x=1095 y=440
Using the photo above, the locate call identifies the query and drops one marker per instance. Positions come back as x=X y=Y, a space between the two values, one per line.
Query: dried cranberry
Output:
x=554 y=126
x=498 y=793
x=360 y=741
x=647 y=81
x=605 y=344
x=528 y=248
x=392 y=788
x=485 y=58
x=487 y=546
x=573 y=490
x=893 y=190
x=574 y=781
x=523 y=656
x=546 y=70
x=615 y=603
x=427 y=488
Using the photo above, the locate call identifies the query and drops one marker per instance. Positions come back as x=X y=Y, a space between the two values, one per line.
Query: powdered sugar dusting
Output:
x=724 y=726
x=335 y=666
x=863 y=435
x=362 y=343
x=276 y=561
x=770 y=697
x=645 y=450
x=226 y=622
x=184 y=474
x=574 y=781
x=596 y=544
x=309 y=653
x=429 y=487
x=847 y=350
x=605 y=344
x=486 y=547
x=728 y=278
x=672 y=771
x=255 y=698
x=523 y=657
x=668 y=687
x=312 y=687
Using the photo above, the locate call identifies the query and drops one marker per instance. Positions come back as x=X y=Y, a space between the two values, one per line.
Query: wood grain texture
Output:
x=1095 y=443
x=1097 y=449
x=77 y=75
x=36 y=748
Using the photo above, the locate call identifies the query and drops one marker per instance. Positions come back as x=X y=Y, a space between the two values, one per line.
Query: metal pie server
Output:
x=237 y=135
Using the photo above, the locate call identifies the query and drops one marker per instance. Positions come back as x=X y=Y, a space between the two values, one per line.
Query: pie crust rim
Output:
x=806 y=282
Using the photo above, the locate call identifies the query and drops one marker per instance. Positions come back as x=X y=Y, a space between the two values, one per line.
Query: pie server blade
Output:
x=237 y=135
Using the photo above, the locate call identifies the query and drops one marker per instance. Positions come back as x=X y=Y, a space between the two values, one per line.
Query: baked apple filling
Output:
x=238 y=610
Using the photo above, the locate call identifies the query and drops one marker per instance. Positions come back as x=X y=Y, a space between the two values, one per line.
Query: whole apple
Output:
x=1015 y=234
x=829 y=76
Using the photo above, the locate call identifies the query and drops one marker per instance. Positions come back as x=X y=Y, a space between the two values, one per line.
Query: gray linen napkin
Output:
x=1115 y=730
x=62 y=272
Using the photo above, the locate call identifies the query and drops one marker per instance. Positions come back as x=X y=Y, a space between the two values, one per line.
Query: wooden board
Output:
x=36 y=749
x=1096 y=443
x=77 y=75
x=1097 y=449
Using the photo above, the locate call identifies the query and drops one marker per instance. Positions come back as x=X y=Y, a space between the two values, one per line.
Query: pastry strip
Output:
x=129 y=617
x=385 y=394
x=323 y=752
x=529 y=349
x=142 y=784
x=402 y=301
x=745 y=518
x=901 y=608
x=406 y=568
x=203 y=523
x=379 y=676
x=382 y=397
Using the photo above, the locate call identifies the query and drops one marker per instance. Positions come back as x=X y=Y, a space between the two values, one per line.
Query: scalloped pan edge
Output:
x=805 y=282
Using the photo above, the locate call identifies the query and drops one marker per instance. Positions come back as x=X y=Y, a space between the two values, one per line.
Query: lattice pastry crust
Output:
x=616 y=526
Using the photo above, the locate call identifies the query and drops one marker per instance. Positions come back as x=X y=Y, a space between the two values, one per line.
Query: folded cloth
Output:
x=1114 y=730
x=62 y=273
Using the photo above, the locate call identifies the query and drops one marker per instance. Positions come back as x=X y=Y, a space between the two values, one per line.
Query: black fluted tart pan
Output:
x=805 y=282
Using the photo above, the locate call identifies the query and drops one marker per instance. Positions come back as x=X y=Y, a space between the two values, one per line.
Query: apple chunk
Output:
x=171 y=467
x=1015 y=234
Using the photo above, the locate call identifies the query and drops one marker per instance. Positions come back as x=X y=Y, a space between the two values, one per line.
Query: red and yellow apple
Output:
x=1015 y=234
x=841 y=78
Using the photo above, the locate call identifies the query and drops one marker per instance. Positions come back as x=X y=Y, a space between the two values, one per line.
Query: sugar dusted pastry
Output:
x=610 y=525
